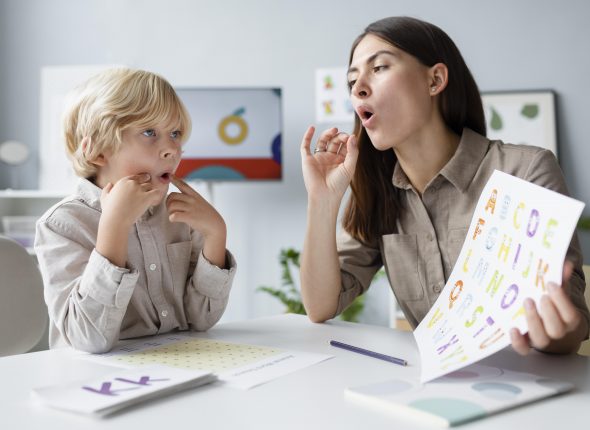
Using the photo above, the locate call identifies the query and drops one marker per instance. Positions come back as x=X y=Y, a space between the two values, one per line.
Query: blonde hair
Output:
x=111 y=102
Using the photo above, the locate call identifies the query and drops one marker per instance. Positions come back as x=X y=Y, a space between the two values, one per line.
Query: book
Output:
x=105 y=395
x=465 y=395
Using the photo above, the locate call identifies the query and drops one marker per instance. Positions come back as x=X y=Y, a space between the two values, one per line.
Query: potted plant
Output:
x=290 y=296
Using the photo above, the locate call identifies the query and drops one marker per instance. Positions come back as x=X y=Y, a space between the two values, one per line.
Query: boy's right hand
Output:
x=128 y=199
x=328 y=171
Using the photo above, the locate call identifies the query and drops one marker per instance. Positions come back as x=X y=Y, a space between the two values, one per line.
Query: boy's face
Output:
x=156 y=151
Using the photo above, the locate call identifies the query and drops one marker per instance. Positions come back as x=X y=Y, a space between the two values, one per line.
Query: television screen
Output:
x=236 y=134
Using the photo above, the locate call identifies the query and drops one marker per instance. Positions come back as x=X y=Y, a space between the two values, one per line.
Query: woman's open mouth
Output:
x=365 y=115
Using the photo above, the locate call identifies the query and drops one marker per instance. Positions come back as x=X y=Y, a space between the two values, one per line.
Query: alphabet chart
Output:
x=516 y=244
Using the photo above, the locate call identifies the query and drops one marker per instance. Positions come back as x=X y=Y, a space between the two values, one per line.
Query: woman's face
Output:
x=390 y=92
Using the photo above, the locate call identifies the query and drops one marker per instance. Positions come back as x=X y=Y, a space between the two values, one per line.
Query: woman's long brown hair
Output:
x=375 y=204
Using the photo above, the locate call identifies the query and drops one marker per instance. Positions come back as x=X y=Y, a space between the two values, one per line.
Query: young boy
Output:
x=118 y=258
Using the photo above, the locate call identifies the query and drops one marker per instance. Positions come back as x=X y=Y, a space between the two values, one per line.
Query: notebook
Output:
x=105 y=395
x=465 y=395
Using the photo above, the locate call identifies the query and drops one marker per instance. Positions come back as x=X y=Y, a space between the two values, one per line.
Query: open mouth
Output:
x=165 y=177
x=364 y=113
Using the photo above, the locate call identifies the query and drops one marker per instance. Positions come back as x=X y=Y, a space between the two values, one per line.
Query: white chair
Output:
x=23 y=314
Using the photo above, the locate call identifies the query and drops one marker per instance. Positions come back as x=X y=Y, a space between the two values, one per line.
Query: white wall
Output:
x=525 y=44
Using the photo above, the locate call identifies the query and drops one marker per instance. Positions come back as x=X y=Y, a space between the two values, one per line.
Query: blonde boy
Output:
x=119 y=259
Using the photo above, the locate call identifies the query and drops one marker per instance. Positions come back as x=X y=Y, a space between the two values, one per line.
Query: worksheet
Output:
x=238 y=365
x=516 y=245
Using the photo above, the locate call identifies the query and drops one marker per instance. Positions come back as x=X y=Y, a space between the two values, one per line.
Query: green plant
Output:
x=290 y=296
x=584 y=223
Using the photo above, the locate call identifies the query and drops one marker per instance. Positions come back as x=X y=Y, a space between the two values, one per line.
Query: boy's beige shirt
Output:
x=167 y=285
x=419 y=256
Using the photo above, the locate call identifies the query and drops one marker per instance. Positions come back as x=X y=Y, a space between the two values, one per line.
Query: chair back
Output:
x=23 y=313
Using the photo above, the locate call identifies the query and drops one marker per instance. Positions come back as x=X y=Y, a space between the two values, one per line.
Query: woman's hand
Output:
x=328 y=171
x=556 y=326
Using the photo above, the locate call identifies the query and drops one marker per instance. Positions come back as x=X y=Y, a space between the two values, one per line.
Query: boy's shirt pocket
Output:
x=179 y=258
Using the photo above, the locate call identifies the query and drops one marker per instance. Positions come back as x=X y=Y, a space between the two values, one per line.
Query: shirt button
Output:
x=153 y=267
x=429 y=236
x=436 y=288
x=164 y=313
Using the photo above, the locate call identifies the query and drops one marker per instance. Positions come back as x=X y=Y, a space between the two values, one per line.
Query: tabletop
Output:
x=306 y=399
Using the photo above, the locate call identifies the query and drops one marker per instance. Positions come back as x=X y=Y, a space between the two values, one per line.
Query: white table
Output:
x=311 y=398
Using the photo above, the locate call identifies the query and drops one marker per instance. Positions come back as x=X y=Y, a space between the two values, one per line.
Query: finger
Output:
x=337 y=142
x=563 y=305
x=142 y=178
x=178 y=206
x=325 y=138
x=182 y=186
x=568 y=269
x=554 y=325
x=106 y=190
x=520 y=342
x=537 y=335
x=352 y=153
x=306 y=142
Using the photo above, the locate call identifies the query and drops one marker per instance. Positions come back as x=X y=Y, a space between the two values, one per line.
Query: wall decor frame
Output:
x=522 y=117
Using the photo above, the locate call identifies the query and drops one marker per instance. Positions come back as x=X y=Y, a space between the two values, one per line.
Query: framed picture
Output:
x=236 y=134
x=522 y=117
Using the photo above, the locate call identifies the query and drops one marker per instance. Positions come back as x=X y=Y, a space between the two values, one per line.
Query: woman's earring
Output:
x=433 y=88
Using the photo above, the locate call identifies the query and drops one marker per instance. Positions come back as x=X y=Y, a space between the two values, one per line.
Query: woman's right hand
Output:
x=328 y=171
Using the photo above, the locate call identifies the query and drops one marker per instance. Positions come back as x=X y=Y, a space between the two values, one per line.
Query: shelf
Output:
x=35 y=194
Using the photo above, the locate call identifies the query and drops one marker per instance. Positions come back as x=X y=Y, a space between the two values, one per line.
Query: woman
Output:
x=417 y=162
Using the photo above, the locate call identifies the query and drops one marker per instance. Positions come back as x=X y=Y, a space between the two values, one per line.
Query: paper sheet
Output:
x=239 y=365
x=516 y=244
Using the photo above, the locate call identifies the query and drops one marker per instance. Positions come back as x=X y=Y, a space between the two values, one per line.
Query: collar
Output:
x=462 y=166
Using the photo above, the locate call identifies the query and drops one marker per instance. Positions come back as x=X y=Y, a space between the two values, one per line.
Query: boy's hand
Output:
x=189 y=207
x=122 y=204
x=128 y=199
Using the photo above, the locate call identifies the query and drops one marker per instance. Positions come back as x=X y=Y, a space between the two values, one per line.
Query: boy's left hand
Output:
x=556 y=325
x=190 y=207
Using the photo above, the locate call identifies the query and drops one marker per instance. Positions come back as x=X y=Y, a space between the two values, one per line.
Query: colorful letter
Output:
x=504 y=248
x=465 y=268
x=504 y=208
x=534 y=218
x=491 y=204
x=477 y=230
x=518 y=208
x=511 y=291
x=493 y=338
x=443 y=348
x=437 y=316
x=541 y=272
x=516 y=257
x=492 y=237
x=494 y=283
x=478 y=310
x=454 y=296
x=552 y=223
